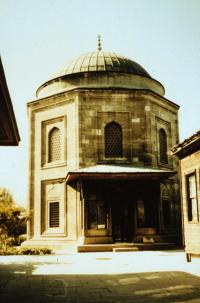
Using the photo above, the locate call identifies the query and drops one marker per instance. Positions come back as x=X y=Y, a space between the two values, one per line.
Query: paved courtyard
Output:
x=161 y=276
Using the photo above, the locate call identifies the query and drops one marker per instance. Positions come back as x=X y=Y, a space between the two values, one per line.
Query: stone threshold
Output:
x=124 y=247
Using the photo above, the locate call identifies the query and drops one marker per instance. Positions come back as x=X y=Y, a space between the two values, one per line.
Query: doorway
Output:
x=122 y=218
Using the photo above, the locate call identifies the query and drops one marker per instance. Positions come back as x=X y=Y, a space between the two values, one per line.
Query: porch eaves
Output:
x=118 y=172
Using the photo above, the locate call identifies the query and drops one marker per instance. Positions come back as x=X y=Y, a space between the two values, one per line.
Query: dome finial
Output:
x=99 y=42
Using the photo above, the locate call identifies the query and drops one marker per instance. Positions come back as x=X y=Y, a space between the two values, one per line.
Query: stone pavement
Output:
x=159 y=276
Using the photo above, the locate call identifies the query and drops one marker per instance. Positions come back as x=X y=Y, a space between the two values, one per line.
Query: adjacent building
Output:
x=189 y=154
x=100 y=168
x=9 y=134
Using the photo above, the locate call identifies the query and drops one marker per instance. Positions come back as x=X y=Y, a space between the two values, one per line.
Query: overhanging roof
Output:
x=9 y=134
x=118 y=172
x=188 y=146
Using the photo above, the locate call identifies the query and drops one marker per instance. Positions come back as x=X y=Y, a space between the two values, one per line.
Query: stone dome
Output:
x=100 y=69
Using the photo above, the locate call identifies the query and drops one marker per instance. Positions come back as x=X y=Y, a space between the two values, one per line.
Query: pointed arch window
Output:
x=163 y=146
x=54 y=145
x=113 y=140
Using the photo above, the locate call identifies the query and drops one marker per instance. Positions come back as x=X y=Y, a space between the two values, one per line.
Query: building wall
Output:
x=81 y=116
x=189 y=165
x=141 y=115
x=47 y=179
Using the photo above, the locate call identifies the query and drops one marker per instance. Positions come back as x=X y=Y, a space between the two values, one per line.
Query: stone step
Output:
x=155 y=246
x=95 y=248
x=124 y=247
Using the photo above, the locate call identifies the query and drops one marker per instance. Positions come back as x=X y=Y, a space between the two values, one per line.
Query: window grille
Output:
x=54 y=218
x=54 y=145
x=163 y=146
x=113 y=140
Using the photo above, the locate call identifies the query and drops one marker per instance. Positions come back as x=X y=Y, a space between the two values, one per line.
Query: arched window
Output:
x=113 y=140
x=54 y=145
x=163 y=146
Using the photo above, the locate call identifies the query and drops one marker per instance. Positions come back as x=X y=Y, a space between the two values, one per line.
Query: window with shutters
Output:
x=54 y=145
x=163 y=146
x=113 y=140
x=54 y=215
x=53 y=207
x=192 y=206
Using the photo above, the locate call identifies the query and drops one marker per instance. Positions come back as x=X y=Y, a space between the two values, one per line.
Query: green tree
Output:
x=12 y=220
x=6 y=199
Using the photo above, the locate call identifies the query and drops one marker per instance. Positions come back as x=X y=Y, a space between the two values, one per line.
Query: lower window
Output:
x=54 y=215
x=145 y=214
x=96 y=214
x=192 y=208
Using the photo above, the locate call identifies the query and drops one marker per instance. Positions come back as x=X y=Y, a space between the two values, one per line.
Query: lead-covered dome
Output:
x=102 y=61
x=100 y=69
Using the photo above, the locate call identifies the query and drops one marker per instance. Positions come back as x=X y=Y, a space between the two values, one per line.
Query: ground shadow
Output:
x=19 y=283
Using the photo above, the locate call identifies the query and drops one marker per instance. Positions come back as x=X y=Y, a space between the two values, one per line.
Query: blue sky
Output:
x=38 y=37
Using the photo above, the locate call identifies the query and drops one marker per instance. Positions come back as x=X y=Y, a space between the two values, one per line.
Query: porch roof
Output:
x=118 y=172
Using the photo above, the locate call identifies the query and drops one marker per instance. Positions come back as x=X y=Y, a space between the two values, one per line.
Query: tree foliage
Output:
x=12 y=220
x=6 y=199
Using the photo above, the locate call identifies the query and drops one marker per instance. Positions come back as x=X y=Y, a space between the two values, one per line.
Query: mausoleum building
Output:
x=100 y=168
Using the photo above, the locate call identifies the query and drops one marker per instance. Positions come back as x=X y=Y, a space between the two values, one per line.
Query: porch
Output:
x=119 y=205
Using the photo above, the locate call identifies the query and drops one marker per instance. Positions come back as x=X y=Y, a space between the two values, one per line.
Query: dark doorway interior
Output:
x=122 y=210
